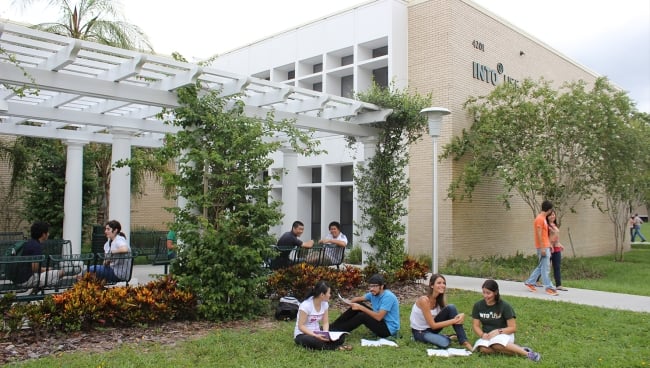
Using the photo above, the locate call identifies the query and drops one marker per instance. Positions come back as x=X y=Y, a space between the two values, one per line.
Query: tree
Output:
x=529 y=137
x=98 y=21
x=563 y=145
x=382 y=184
x=224 y=230
x=101 y=21
x=44 y=183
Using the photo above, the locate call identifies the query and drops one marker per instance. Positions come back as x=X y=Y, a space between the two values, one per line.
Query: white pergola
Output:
x=82 y=92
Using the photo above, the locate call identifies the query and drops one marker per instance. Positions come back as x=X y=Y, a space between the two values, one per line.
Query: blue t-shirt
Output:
x=386 y=301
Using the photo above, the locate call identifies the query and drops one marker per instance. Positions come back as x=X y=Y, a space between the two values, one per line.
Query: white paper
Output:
x=331 y=335
x=380 y=342
x=344 y=300
x=448 y=352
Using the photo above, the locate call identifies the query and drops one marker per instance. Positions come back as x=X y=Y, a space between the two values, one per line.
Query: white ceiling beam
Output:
x=309 y=104
x=82 y=117
x=179 y=80
x=341 y=111
x=234 y=87
x=107 y=138
x=269 y=98
x=63 y=57
x=125 y=70
x=313 y=122
x=369 y=117
x=68 y=83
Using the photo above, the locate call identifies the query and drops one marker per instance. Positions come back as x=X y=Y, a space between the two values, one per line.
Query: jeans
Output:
x=351 y=319
x=434 y=337
x=542 y=269
x=637 y=231
x=104 y=272
x=556 y=261
x=311 y=342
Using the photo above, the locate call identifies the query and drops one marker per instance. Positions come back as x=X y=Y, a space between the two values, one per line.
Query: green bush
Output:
x=354 y=256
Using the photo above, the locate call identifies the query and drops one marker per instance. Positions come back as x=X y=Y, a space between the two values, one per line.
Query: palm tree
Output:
x=98 y=21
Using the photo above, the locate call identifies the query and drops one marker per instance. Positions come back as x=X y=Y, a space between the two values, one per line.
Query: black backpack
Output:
x=287 y=309
x=12 y=269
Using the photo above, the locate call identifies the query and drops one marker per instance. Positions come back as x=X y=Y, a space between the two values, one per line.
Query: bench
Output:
x=161 y=255
x=145 y=242
x=100 y=258
x=318 y=255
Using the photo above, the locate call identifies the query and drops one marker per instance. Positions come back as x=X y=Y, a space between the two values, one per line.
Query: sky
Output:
x=611 y=38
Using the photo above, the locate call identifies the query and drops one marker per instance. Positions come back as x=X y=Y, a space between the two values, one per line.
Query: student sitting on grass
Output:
x=493 y=320
x=313 y=310
x=431 y=314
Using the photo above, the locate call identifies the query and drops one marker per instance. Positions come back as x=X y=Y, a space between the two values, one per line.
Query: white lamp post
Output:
x=434 y=116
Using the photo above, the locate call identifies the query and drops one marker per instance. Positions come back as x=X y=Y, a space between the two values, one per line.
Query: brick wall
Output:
x=441 y=53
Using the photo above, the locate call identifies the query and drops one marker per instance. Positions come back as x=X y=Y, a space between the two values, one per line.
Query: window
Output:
x=291 y=74
x=347 y=60
x=316 y=175
x=318 y=68
x=380 y=76
x=347 y=86
x=380 y=51
x=317 y=86
x=347 y=173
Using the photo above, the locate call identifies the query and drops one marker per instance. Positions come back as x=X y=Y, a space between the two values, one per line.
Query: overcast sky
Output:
x=612 y=38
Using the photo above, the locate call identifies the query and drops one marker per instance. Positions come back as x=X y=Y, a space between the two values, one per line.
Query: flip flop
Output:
x=344 y=347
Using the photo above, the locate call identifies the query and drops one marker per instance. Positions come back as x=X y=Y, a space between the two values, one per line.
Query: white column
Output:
x=289 y=188
x=73 y=198
x=369 y=150
x=119 y=207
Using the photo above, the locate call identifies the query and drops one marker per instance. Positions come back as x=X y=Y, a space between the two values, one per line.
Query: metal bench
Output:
x=318 y=255
x=161 y=254
x=145 y=242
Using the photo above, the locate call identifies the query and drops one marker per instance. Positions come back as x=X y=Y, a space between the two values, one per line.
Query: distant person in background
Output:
x=114 y=269
x=543 y=247
x=287 y=242
x=556 y=256
x=171 y=244
x=336 y=238
x=637 y=228
x=36 y=274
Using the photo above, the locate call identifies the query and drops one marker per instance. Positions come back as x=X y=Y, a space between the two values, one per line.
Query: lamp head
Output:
x=434 y=116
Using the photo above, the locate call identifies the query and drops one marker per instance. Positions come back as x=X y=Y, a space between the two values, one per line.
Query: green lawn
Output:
x=567 y=335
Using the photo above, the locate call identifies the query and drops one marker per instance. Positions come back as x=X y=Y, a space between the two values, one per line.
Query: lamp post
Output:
x=434 y=116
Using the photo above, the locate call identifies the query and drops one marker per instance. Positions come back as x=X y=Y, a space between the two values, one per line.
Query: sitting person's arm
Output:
x=307 y=244
x=378 y=316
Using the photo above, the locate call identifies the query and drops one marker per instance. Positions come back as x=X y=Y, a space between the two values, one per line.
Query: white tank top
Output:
x=417 y=317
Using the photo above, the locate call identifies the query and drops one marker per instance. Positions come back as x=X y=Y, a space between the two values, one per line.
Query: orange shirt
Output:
x=540 y=223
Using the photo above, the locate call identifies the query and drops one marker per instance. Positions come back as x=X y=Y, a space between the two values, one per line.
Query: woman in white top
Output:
x=311 y=314
x=116 y=269
x=431 y=313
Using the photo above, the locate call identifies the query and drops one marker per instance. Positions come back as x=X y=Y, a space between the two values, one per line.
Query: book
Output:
x=344 y=300
x=331 y=335
x=380 y=342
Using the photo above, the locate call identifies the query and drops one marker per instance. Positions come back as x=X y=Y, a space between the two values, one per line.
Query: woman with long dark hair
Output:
x=431 y=314
x=114 y=269
x=493 y=321
x=313 y=319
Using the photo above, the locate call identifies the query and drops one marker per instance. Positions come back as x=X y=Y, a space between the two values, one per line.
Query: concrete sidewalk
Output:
x=601 y=299
x=145 y=273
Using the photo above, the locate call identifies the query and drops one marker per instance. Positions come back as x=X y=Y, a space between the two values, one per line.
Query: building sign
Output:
x=491 y=76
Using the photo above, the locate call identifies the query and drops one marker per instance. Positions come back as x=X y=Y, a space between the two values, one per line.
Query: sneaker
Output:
x=530 y=287
x=561 y=288
x=535 y=357
x=552 y=292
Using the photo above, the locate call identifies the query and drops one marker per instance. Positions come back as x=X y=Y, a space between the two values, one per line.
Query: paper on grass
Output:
x=448 y=352
x=331 y=335
x=380 y=342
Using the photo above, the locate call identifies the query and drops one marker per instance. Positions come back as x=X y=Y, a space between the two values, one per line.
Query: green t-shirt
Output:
x=493 y=317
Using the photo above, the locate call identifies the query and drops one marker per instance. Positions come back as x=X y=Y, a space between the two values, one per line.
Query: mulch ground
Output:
x=25 y=345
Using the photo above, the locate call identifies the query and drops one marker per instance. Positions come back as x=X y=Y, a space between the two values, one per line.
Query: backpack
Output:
x=12 y=269
x=287 y=309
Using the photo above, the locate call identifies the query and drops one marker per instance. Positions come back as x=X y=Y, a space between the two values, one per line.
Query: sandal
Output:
x=344 y=348
x=562 y=288
x=452 y=337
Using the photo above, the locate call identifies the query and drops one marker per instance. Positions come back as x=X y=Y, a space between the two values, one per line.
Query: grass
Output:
x=567 y=335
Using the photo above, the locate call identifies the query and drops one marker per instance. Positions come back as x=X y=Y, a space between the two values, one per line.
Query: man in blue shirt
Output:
x=382 y=318
x=35 y=274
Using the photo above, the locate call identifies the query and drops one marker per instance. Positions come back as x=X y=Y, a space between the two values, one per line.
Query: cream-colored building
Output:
x=453 y=49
